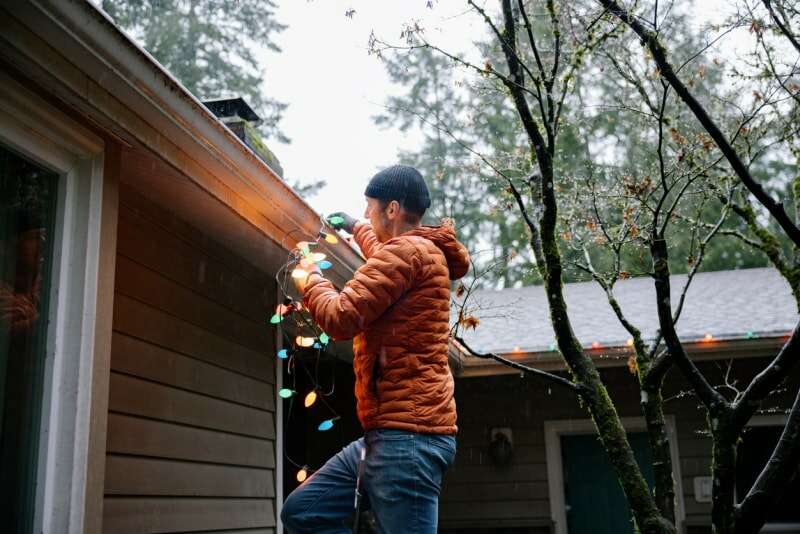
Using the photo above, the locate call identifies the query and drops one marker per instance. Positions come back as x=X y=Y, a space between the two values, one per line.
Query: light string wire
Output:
x=303 y=324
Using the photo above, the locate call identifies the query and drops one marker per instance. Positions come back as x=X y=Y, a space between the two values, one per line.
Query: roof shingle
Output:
x=725 y=304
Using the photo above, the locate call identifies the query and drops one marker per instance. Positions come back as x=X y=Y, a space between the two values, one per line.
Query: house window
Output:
x=755 y=450
x=27 y=204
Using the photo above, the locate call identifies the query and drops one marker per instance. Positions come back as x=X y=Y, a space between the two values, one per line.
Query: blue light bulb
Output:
x=327 y=424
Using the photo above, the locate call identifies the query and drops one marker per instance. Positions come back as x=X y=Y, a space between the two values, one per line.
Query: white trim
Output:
x=29 y=125
x=553 y=430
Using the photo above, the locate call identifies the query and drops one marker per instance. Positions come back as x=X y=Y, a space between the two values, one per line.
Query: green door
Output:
x=593 y=497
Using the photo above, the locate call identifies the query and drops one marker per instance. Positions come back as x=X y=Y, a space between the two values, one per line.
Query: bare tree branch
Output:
x=767 y=380
x=781 y=26
x=711 y=398
x=667 y=72
x=579 y=389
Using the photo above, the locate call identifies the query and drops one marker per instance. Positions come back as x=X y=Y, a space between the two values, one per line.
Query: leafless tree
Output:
x=703 y=178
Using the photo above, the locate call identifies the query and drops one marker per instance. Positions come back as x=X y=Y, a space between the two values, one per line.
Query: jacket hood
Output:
x=444 y=237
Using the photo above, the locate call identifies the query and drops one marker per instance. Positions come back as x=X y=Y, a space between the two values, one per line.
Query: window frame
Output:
x=75 y=387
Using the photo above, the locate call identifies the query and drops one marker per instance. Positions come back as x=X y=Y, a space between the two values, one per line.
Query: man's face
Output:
x=381 y=218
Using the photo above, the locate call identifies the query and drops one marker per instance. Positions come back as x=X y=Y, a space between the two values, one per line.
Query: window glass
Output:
x=754 y=452
x=27 y=204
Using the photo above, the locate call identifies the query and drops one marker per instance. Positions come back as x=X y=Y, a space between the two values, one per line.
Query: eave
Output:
x=75 y=53
x=617 y=356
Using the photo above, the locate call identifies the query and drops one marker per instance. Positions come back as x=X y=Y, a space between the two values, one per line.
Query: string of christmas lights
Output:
x=303 y=340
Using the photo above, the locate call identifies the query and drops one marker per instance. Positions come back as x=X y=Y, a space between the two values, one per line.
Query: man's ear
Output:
x=393 y=210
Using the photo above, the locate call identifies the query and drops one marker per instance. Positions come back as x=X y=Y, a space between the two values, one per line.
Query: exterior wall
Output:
x=479 y=495
x=191 y=420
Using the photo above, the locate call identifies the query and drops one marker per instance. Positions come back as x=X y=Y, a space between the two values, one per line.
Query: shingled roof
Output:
x=747 y=303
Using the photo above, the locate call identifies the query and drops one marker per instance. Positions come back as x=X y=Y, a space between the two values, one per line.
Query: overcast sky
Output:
x=334 y=88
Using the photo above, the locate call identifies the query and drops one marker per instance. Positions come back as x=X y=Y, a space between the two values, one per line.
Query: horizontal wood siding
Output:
x=135 y=515
x=478 y=495
x=191 y=425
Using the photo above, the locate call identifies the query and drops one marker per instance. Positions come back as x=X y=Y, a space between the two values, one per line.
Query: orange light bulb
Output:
x=311 y=398
x=302 y=474
x=299 y=273
x=304 y=341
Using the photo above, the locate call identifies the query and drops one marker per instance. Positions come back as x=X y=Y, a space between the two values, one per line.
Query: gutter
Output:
x=733 y=347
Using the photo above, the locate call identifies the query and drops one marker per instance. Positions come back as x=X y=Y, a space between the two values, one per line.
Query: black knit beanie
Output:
x=403 y=184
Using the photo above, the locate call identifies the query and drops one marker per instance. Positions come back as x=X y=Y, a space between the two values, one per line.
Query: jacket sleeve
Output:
x=376 y=285
x=457 y=259
x=365 y=239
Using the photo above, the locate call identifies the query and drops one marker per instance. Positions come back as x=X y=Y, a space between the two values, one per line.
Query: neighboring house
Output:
x=139 y=239
x=557 y=479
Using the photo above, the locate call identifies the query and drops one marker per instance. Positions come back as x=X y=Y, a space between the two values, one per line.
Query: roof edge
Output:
x=164 y=103
x=617 y=356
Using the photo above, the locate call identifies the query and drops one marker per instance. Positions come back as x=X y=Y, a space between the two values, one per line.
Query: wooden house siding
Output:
x=191 y=422
x=479 y=496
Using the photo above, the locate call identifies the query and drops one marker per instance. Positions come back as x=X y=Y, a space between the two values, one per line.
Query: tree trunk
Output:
x=604 y=414
x=652 y=407
x=723 y=475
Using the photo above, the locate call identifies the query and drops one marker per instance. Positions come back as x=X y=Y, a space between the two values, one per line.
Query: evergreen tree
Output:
x=456 y=121
x=209 y=46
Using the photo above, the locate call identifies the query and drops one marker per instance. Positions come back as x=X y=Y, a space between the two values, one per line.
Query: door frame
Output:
x=74 y=409
x=554 y=429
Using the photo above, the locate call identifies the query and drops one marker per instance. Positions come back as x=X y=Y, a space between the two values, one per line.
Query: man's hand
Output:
x=300 y=283
x=17 y=310
x=342 y=221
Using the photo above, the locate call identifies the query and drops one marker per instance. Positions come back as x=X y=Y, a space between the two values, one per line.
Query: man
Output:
x=397 y=309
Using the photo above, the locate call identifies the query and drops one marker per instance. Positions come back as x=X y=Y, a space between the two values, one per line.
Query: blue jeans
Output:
x=402 y=479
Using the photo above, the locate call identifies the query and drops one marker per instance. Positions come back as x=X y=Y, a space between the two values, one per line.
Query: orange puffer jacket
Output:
x=397 y=308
